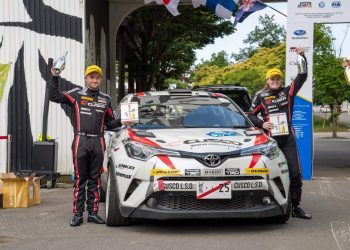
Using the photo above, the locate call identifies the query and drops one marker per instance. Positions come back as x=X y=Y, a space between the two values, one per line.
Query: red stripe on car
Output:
x=254 y=160
x=143 y=140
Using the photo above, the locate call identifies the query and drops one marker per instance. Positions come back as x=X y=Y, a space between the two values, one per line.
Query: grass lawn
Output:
x=318 y=126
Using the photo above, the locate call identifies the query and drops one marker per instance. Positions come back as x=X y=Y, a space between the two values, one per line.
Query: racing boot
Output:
x=77 y=220
x=93 y=217
x=298 y=212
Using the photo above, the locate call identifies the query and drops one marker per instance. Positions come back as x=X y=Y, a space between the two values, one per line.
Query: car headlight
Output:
x=143 y=152
x=269 y=149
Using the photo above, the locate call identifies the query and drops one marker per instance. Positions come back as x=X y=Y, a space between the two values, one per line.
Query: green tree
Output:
x=267 y=34
x=167 y=44
x=220 y=59
x=250 y=73
x=330 y=86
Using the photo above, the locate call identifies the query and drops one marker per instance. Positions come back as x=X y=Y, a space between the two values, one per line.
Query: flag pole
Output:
x=276 y=10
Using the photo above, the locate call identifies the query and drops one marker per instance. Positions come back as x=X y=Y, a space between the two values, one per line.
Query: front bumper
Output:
x=184 y=205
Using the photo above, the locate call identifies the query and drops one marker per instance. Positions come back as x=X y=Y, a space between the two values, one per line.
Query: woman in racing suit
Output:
x=276 y=102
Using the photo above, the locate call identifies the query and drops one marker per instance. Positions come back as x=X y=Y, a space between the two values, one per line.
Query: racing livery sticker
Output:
x=165 y=172
x=212 y=172
x=232 y=171
x=257 y=171
x=193 y=172
x=223 y=134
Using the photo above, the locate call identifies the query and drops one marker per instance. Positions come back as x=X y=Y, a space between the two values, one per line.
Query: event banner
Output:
x=323 y=11
x=300 y=34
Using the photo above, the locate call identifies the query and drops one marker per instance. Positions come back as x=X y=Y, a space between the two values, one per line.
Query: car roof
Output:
x=175 y=92
x=185 y=92
x=222 y=87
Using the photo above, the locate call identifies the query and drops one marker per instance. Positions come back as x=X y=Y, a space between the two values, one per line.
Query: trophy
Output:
x=60 y=63
x=347 y=74
x=302 y=65
x=347 y=70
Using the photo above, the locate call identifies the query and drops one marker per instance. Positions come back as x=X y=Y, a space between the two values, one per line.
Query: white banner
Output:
x=302 y=16
x=329 y=11
x=300 y=35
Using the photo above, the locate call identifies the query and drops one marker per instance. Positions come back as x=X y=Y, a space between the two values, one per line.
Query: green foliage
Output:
x=267 y=34
x=179 y=84
x=250 y=73
x=329 y=82
x=330 y=86
x=220 y=59
x=321 y=125
x=167 y=43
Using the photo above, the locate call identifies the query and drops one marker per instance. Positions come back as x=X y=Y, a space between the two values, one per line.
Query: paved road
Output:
x=327 y=197
x=331 y=156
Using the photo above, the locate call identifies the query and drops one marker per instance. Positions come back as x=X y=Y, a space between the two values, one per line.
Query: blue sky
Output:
x=232 y=43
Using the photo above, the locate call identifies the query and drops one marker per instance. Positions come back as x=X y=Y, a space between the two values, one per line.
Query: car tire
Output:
x=113 y=214
x=281 y=219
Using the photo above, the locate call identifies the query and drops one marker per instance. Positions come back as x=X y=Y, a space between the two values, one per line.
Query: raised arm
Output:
x=299 y=81
x=60 y=97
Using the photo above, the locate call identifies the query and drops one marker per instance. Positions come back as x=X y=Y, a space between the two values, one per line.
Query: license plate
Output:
x=214 y=190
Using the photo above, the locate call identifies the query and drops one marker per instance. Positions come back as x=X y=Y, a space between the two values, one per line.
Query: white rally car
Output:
x=193 y=155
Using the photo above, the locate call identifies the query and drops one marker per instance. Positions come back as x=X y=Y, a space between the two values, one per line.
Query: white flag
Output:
x=171 y=5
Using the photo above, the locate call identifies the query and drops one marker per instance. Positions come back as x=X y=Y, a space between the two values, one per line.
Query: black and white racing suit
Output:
x=91 y=111
x=281 y=101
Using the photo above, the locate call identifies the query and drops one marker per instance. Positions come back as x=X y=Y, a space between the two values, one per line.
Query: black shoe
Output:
x=298 y=212
x=77 y=220
x=92 y=217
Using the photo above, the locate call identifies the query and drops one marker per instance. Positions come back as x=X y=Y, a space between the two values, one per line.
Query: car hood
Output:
x=198 y=140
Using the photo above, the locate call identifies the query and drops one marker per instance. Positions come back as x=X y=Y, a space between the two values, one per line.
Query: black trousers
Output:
x=88 y=153
x=289 y=147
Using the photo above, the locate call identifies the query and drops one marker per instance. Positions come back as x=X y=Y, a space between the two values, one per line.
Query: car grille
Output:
x=187 y=201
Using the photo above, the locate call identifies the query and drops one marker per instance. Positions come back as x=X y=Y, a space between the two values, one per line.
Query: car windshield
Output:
x=166 y=111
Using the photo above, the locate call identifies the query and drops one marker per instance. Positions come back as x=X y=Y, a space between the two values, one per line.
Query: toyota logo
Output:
x=212 y=160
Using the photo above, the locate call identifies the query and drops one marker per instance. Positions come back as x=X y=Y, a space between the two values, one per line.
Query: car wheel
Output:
x=113 y=215
x=281 y=219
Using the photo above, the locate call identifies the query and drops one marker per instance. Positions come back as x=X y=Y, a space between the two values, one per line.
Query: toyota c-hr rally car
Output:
x=193 y=155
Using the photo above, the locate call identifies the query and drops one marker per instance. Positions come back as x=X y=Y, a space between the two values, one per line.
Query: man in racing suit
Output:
x=91 y=111
x=275 y=99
